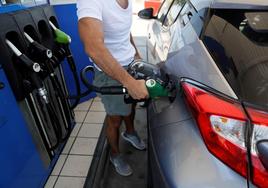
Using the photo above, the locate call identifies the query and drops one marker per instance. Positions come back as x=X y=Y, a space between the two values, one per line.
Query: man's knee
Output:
x=114 y=121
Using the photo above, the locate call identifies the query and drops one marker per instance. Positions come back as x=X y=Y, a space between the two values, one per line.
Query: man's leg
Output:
x=129 y=120
x=115 y=106
x=112 y=132
x=131 y=135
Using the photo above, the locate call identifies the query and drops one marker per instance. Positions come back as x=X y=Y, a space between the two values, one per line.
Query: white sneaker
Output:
x=134 y=139
x=121 y=166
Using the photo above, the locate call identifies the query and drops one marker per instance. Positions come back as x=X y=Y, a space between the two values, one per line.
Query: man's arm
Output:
x=91 y=33
x=137 y=55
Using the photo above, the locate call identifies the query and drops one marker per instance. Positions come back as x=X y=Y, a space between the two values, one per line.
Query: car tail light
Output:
x=260 y=132
x=222 y=126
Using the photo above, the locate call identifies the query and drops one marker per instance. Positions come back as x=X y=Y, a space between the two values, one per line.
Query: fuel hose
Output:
x=64 y=40
x=44 y=55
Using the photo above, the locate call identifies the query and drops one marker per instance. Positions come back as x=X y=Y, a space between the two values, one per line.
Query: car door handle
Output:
x=190 y=15
x=186 y=18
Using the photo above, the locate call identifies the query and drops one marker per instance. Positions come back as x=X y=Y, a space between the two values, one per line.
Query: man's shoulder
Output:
x=90 y=8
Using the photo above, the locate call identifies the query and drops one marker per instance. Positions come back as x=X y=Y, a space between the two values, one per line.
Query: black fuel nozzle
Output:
x=58 y=56
x=33 y=69
x=33 y=66
x=39 y=51
x=62 y=52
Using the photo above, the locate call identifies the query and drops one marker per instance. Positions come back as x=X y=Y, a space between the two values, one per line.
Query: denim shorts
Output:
x=114 y=104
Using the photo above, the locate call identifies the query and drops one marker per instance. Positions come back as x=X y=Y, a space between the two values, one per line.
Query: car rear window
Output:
x=237 y=40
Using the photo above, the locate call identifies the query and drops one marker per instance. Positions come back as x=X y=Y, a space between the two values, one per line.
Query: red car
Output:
x=155 y=4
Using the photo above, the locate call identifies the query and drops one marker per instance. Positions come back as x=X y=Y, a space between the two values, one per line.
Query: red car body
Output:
x=155 y=4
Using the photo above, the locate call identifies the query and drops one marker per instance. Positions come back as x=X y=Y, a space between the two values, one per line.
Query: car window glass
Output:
x=238 y=43
x=173 y=12
x=197 y=21
x=163 y=10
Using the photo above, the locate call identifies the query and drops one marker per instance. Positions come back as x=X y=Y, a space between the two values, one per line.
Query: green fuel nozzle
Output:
x=64 y=40
x=61 y=37
x=155 y=89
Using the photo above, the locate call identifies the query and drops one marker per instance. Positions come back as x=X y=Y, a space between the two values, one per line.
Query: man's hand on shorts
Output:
x=137 y=89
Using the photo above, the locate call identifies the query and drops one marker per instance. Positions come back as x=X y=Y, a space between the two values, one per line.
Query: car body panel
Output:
x=180 y=157
x=193 y=61
x=159 y=36
x=158 y=42
x=177 y=153
x=186 y=57
x=161 y=112
x=189 y=58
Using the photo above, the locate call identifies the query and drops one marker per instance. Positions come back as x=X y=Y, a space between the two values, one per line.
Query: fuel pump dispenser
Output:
x=44 y=55
x=32 y=69
x=31 y=62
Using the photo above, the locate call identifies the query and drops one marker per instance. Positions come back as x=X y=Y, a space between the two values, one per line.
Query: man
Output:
x=104 y=27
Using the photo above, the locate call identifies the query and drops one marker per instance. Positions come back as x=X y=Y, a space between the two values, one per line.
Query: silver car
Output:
x=215 y=133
